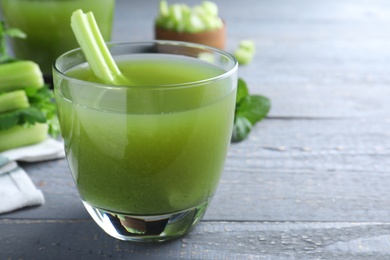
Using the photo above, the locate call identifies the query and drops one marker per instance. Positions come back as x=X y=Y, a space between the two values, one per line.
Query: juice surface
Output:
x=47 y=25
x=152 y=153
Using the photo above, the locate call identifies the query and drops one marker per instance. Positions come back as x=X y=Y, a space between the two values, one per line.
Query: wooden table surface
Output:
x=313 y=179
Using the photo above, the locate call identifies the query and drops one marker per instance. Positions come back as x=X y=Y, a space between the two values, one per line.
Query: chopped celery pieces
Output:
x=27 y=111
x=18 y=136
x=41 y=109
x=20 y=74
x=182 y=18
x=26 y=117
x=13 y=100
x=245 y=52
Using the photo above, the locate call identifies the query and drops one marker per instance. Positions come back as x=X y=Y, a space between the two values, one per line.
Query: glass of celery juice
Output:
x=46 y=23
x=147 y=158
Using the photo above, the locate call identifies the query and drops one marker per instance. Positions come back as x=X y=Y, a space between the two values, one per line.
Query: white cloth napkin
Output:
x=16 y=188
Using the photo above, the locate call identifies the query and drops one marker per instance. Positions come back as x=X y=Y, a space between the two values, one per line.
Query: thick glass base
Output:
x=155 y=228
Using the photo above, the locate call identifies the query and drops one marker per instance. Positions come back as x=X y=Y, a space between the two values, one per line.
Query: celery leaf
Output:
x=42 y=110
x=11 y=32
x=250 y=109
x=22 y=116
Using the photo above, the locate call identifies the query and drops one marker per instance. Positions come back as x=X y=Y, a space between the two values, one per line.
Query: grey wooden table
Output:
x=313 y=179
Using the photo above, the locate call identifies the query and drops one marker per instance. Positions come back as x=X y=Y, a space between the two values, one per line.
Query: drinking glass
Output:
x=47 y=25
x=147 y=158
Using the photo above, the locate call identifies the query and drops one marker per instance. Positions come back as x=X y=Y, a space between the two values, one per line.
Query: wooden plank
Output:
x=210 y=240
x=316 y=171
x=360 y=102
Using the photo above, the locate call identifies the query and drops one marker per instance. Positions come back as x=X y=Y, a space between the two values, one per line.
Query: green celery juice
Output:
x=47 y=25
x=152 y=149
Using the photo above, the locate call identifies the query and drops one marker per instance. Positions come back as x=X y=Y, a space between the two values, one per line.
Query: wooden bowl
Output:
x=215 y=38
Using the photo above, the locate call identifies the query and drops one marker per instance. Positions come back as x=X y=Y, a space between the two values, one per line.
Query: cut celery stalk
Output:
x=98 y=56
x=13 y=100
x=19 y=136
x=163 y=8
x=248 y=45
x=210 y=7
x=176 y=13
x=243 y=57
x=245 y=52
x=195 y=24
x=20 y=74
x=210 y=21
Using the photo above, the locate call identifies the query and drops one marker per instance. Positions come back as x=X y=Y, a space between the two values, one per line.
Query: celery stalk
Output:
x=20 y=74
x=163 y=8
x=98 y=56
x=210 y=7
x=19 y=136
x=245 y=51
x=13 y=100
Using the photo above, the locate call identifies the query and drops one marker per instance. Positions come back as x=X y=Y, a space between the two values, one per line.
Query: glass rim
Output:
x=198 y=46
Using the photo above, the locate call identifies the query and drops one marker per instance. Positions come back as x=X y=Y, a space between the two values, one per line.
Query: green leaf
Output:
x=30 y=115
x=242 y=90
x=241 y=128
x=8 y=120
x=250 y=109
x=254 y=108
x=54 y=126
x=42 y=110
x=15 y=33
x=43 y=99
x=11 y=32
x=3 y=44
